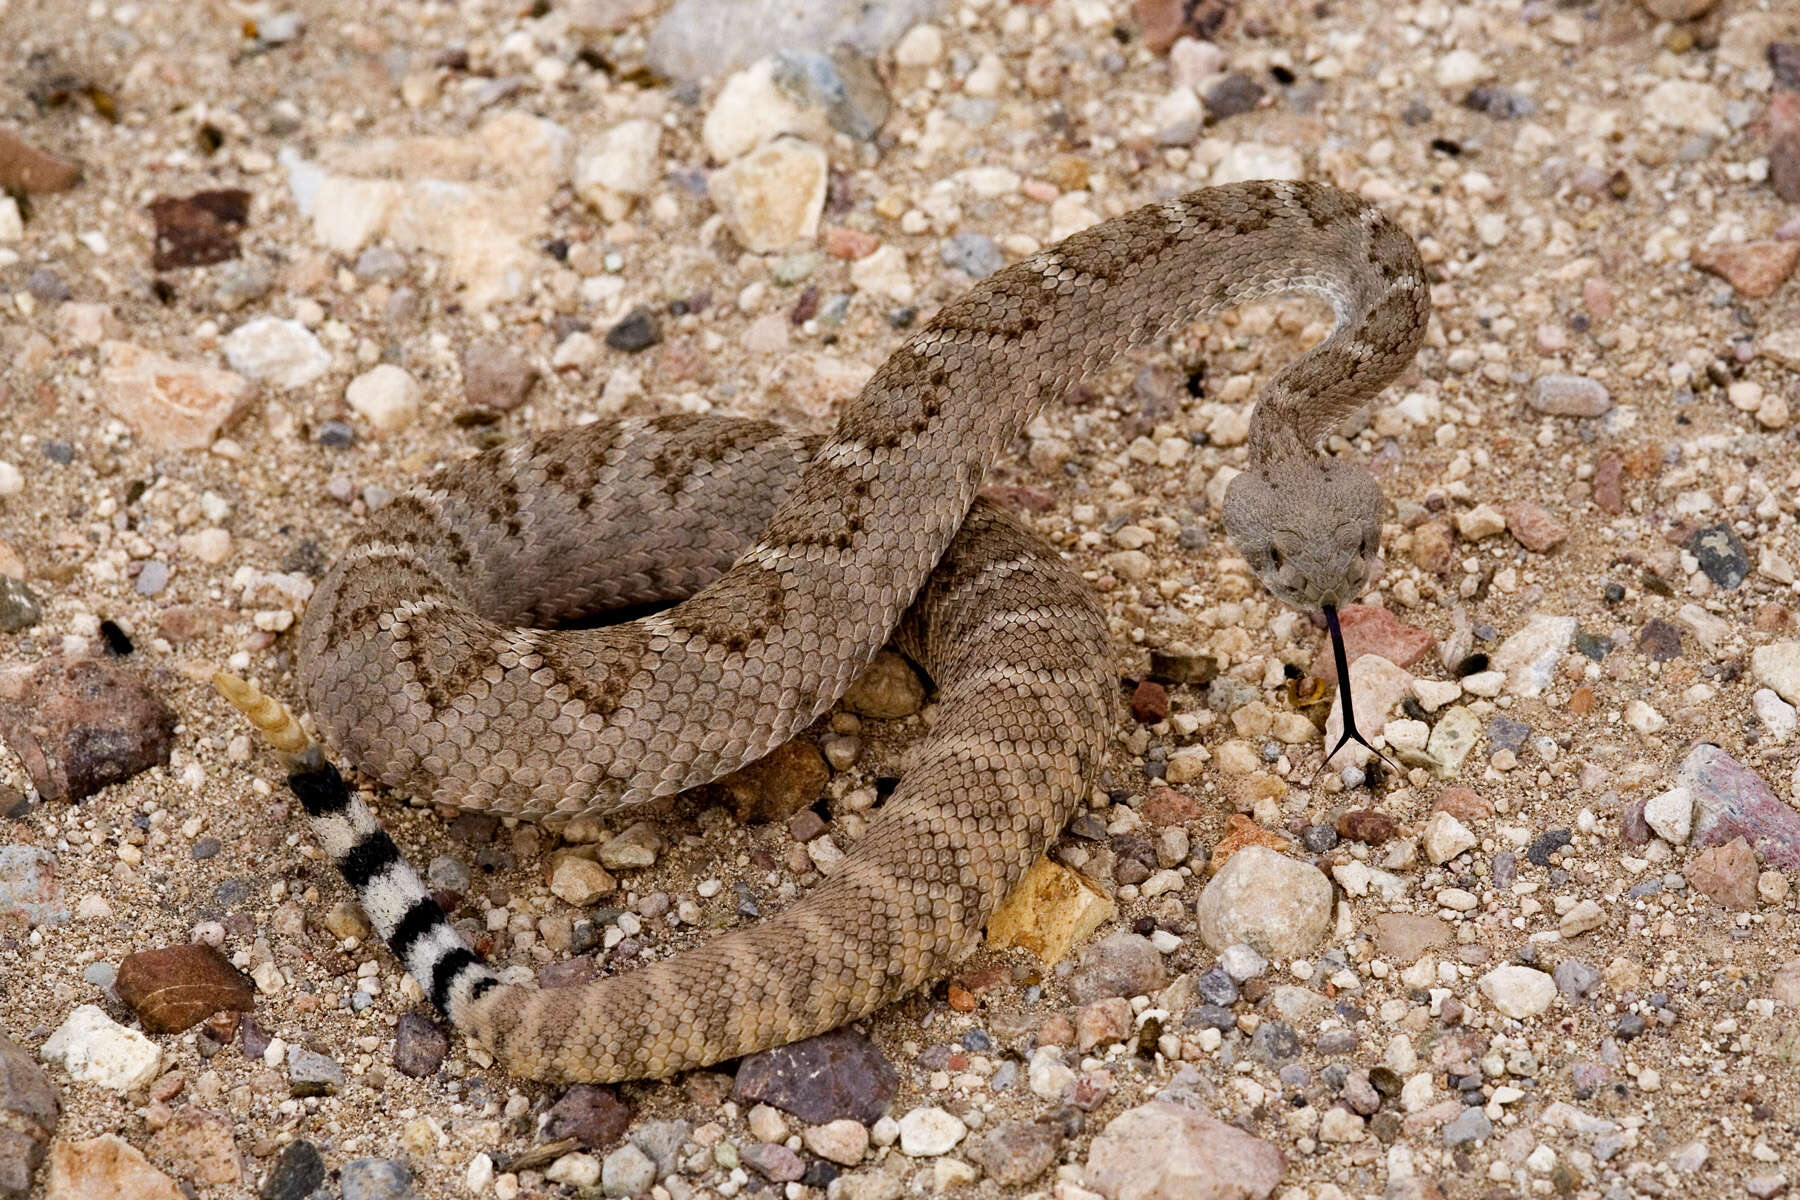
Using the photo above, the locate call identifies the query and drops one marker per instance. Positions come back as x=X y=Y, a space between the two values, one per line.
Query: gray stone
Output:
x=1015 y=1153
x=1277 y=904
x=29 y=1111
x=1122 y=964
x=313 y=1074
x=627 y=1171
x=376 y=1179
x=704 y=39
x=975 y=254
x=1471 y=1125
x=20 y=607
x=28 y=889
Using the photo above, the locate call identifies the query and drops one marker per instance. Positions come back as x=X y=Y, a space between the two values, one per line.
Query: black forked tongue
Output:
x=1351 y=732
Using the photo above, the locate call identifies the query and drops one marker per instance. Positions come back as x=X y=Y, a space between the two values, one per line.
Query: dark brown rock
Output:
x=25 y=168
x=789 y=778
x=1659 y=640
x=1366 y=825
x=1149 y=702
x=591 y=1114
x=837 y=1074
x=29 y=1110
x=419 y=1045
x=192 y=231
x=177 y=987
x=82 y=725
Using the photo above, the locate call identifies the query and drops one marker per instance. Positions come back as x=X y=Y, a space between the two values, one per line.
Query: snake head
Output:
x=1311 y=530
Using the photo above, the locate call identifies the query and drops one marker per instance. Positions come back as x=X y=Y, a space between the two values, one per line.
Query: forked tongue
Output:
x=1351 y=732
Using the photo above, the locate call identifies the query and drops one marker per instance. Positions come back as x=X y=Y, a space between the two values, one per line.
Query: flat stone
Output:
x=197 y=1145
x=1274 y=903
x=177 y=987
x=579 y=881
x=1445 y=837
x=700 y=39
x=1753 y=269
x=105 y=1168
x=1470 y=1125
x=1405 y=938
x=774 y=1161
x=1733 y=801
x=29 y=1110
x=81 y=725
x=930 y=1131
x=1726 y=874
x=1518 y=992
x=1529 y=657
x=836 y=1075
x=94 y=1048
x=591 y=1114
x=281 y=353
x=1051 y=911
x=385 y=396
x=170 y=404
x=1534 y=527
x=1371 y=629
x=1015 y=1153
x=1163 y=1151
x=193 y=231
x=1569 y=396
x=842 y=1141
x=773 y=196
x=33 y=171
x=420 y=1045
x=633 y=849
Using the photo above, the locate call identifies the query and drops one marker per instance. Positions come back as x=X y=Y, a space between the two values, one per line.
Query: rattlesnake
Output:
x=427 y=659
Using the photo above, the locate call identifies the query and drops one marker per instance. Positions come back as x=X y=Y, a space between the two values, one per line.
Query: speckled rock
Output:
x=29 y=1110
x=825 y=1078
x=83 y=724
x=105 y=1168
x=172 y=405
x=1162 y=1151
x=1015 y=1153
x=1274 y=903
x=1122 y=964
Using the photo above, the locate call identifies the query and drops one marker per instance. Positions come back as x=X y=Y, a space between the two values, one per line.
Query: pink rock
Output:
x=1726 y=874
x=171 y=404
x=1534 y=527
x=1753 y=269
x=1732 y=801
x=1370 y=629
x=1161 y=1151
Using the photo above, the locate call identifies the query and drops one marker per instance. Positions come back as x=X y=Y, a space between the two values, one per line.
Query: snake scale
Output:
x=431 y=658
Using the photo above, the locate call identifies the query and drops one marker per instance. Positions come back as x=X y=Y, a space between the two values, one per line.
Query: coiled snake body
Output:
x=429 y=660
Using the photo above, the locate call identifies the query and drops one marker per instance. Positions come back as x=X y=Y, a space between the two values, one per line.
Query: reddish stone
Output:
x=1463 y=804
x=1370 y=629
x=79 y=726
x=1609 y=479
x=1241 y=831
x=1534 y=527
x=1726 y=874
x=1366 y=825
x=1166 y=806
x=177 y=987
x=1434 y=547
x=1149 y=702
x=1753 y=269
x=24 y=168
x=1773 y=618
x=1165 y=21
x=841 y=242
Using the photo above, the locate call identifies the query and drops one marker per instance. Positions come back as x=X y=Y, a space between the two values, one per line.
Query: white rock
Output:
x=621 y=166
x=929 y=1132
x=1446 y=837
x=883 y=272
x=1176 y=117
x=12 y=223
x=1586 y=915
x=1460 y=68
x=1192 y=62
x=1688 y=105
x=1529 y=657
x=773 y=196
x=1778 y=667
x=385 y=396
x=1047 y=1074
x=920 y=46
x=843 y=1141
x=1518 y=992
x=1277 y=904
x=1378 y=687
x=1482 y=521
x=575 y=1170
x=11 y=481
x=751 y=109
x=1671 y=815
x=96 y=1049
x=1643 y=718
x=1433 y=694
x=1778 y=717
x=1257 y=160
x=278 y=352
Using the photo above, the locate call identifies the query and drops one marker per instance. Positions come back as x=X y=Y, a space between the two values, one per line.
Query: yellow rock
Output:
x=1051 y=912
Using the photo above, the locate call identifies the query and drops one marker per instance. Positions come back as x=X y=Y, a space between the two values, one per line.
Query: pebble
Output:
x=312 y=1074
x=976 y=254
x=837 y=1075
x=1733 y=801
x=1470 y=1125
x=591 y=1114
x=385 y=396
x=1671 y=815
x=494 y=377
x=1274 y=903
x=636 y=330
x=1407 y=937
x=20 y=608
x=1015 y=1153
x=26 y=169
x=281 y=353
x=1161 y=1149
x=578 y=1171
x=176 y=987
x=1753 y=269
x=1446 y=837
x=419 y=1045
x=170 y=404
x=1518 y=992
x=1122 y=964
x=1047 y=1075
x=197 y=1145
x=28 y=887
x=1721 y=554
x=1371 y=629
x=93 y=1048
x=1777 y=666
x=697 y=40
x=843 y=85
x=843 y=1141
x=196 y=230
x=375 y=1179
x=637 y=847
x=1529 y=657
x=1726 y=874
x=29 y=1110
x=1534 y=527
x=82 y=725
x=887 y=690
x=103 y=1168
x=627 y=1171
x=1569 y=396
x=930 y=1131
x=579 y=881
x=773 y=196
x=297 y=1174
x=619 y=167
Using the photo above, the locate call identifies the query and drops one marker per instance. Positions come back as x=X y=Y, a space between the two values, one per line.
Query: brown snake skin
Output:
x=424 y=659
